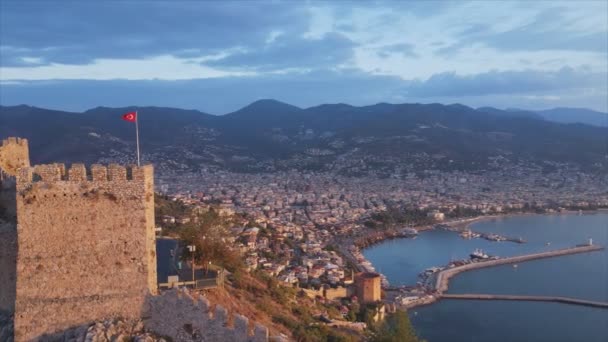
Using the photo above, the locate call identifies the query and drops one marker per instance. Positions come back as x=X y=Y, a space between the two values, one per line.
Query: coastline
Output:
x=374 y=237
x=356 y=250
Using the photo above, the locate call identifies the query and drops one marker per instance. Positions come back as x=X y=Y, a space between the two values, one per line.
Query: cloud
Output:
x=226 y=94
x=160 y=68
x=286 y=52
x=561 y=26
x=306 y=53
x=506 y=82
x=403 y=49
x=69 y=32
x=214 y=95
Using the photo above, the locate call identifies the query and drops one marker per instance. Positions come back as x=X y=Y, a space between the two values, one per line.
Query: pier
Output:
x=443 y=277
x=565 y=300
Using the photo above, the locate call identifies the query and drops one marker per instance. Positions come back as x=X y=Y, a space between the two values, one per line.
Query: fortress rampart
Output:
x=86 y=245
x=178 y=315
x=77 y=245
x=14 y=154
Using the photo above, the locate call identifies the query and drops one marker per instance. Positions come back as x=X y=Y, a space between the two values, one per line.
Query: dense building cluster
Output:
x=317 y=210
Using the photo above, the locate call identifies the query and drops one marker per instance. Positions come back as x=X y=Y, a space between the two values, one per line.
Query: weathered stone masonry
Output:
x=14 y=154
x=78 y=246
x=86 y=245
x=182 y=317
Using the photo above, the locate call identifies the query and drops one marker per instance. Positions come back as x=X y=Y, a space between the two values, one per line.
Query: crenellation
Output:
x=68 y=226
x=260 y=333
x=169 y=313
x=62 y=171
x=241 y=328
x=141 y=173
x=14 y=154
x=48 y=172
x=77 y=172
x=220 y=316
x=82 y=248
x=117 y=172
x=99 y=173
x=25 y=177
x=14 y=141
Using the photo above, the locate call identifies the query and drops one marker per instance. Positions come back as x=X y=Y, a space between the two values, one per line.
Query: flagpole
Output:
x=137 y=135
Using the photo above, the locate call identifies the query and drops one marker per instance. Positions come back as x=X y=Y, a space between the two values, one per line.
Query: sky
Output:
x=220 y=56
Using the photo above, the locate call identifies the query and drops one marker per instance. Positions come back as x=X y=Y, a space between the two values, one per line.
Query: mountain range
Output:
x=269 y=135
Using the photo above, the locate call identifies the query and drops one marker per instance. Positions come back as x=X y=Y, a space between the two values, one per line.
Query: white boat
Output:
x=479 y=254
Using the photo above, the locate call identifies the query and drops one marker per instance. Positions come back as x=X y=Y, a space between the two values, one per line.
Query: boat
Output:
x=466 y=234
x=514 y=265
x=409 y=232
x=479 y=254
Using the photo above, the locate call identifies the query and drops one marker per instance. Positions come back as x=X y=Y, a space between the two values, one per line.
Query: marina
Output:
x=434 y=282
x=443 y=277
x=413 y=266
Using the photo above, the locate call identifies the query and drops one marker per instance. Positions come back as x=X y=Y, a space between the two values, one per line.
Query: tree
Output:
x=397 y=328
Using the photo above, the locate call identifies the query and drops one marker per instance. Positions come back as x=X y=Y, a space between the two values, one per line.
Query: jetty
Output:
x=443 y=277
x=565 y=300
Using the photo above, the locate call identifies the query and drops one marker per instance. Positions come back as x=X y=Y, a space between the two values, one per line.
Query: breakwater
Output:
x=565 y=300
x=443 y=277
x=442 y=280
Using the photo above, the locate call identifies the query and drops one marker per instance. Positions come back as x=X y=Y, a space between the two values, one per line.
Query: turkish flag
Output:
x=131 y=116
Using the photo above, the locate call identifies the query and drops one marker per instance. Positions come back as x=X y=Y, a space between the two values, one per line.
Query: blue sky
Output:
x=220 y=56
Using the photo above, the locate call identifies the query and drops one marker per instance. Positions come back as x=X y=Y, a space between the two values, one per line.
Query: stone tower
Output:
x=14 y=154
x=368 y=287
x=85 y=247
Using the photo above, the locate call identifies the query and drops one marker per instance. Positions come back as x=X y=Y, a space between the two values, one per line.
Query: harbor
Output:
x=443 y=277
x=435 y=281
x=412 y=267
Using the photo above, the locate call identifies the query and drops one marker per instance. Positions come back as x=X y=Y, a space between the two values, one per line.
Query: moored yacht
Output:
x=479 y=254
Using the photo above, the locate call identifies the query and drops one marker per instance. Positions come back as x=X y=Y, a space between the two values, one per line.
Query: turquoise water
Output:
x=580 y=276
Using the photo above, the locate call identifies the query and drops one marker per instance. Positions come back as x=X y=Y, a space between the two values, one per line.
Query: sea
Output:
x=583 y=276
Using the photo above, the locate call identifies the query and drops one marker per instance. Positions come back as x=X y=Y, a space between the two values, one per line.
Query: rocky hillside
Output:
x=269 y=135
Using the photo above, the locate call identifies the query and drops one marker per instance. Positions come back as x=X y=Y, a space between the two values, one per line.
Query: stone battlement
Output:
x=14 y=154
x=79 y=243
x=178 y=315
x=14 y=141
x=49 y=173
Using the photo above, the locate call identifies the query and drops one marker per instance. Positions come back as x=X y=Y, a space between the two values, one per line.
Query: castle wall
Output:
x=14 y=154
x=177 y=315
x=86 y=246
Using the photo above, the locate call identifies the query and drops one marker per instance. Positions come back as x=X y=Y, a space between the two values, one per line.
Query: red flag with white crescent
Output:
x=131 y=117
